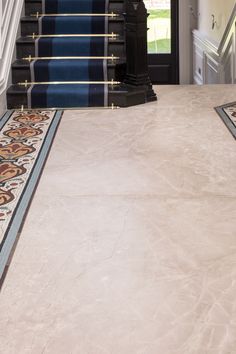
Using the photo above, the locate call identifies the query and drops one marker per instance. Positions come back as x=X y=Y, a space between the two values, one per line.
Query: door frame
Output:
x=187 y=23
x=161 y=64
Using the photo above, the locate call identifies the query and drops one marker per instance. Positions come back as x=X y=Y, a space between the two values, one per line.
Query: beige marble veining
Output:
x=129 y=246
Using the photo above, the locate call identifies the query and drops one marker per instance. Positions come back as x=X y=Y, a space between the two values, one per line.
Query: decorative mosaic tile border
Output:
x=25 y=141
x=228 y=115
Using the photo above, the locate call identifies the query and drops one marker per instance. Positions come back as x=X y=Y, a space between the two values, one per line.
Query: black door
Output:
x=163 y=41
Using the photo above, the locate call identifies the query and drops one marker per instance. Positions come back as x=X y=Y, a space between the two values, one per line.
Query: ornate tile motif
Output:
x=25 y=140
x=231 y=112
x=228 y=115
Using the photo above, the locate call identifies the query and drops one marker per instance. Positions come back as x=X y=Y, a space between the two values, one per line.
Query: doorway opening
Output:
x=163 y=41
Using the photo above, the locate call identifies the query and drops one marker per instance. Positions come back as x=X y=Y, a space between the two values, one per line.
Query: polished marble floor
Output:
x=129 y=246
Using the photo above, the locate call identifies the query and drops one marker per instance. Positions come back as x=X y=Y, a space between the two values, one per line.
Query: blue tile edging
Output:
x=29 y=190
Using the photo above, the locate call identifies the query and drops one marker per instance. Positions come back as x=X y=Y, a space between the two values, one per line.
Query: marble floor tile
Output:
x=129 y=246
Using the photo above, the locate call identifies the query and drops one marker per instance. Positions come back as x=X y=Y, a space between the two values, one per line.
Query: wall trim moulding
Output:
x=215 y=63
x=206 y=59
x=211 y=65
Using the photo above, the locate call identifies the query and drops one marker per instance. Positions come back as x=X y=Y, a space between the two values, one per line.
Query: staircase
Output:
x=70 y=57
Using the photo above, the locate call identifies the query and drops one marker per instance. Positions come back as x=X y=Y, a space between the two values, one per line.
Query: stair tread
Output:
x=20 y=64
x=40 y=1
x=44 y=90
x=17 y=89
x=122 y=95
x=35 y=19
x=33 y=6
x=26 y=39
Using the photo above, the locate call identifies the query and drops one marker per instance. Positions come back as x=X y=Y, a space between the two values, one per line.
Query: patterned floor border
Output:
x=25 y=141
x=227 y=113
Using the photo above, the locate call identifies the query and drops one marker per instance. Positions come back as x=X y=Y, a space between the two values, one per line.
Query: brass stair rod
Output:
x=112 y=106
x=112 y=14
x=110 y=35
x=111 y=82
x=112 y=57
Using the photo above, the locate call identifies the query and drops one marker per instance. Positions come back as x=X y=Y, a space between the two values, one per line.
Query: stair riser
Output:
x=121 y=95
x=30 y=27
x=24 y=49
x=22 y=74
x=34 y=7
x=15 y=101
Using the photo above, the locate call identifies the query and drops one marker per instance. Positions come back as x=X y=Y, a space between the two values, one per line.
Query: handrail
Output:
x=228 y=31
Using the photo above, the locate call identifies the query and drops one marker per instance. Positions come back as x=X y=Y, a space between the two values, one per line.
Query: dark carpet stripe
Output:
x=72 y=25
x=38 y=96
x=71 y=46
x=68 y=96
x=75 y=6
x=68 y=70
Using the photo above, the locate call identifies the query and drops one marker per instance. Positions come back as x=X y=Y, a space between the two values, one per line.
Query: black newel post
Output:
x=136 y=47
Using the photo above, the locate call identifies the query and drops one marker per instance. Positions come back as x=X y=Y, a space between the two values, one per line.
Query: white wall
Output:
x=215 y=49
x=187 y=22
x=222 y=10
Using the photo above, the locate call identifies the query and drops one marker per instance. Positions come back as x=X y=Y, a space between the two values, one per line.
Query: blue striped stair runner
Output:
x=47 y=72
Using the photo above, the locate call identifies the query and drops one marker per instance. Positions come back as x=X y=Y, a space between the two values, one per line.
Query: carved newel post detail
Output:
x=136 y=47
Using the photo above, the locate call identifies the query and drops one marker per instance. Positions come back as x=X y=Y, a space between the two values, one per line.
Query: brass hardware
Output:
x=112 y=14
x=112 y=82
x=114 y=35
x=69 y=108
x=214 y=22
x=30 y=58
x=110 y=35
